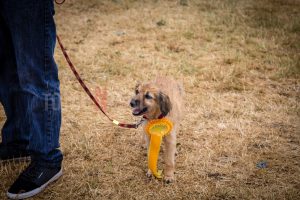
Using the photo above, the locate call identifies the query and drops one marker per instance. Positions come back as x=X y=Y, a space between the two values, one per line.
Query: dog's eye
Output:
x=136 y=92
x=147 y=96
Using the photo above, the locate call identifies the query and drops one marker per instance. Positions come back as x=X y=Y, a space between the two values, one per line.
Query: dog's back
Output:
x=174 y=89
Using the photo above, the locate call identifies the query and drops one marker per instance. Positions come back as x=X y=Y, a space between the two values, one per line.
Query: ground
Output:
x=239 y=62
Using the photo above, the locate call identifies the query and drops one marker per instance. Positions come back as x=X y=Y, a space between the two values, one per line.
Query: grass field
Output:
x=240 y=64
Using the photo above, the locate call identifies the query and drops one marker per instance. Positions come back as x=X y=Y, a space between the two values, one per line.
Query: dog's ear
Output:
x=164 y=103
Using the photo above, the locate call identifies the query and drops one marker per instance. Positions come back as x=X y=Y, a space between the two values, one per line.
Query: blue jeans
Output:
x=29 y=84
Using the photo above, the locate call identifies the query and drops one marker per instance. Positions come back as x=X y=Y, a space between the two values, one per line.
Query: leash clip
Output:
x=139 y=123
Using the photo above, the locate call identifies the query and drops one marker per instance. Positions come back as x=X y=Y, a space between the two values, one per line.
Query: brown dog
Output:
x=163 y=97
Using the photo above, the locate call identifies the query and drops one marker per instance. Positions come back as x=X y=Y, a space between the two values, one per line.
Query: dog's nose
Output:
x=134 y=103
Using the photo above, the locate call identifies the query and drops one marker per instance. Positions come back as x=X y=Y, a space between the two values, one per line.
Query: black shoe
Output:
x=33 y=180
x=14 y=152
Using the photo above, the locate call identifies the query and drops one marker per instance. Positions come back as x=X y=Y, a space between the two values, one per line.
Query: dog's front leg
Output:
x=147 y=143
x=145 y=140
x=169 y=157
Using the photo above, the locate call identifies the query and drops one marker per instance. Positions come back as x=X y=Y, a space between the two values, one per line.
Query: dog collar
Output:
x=159 y=117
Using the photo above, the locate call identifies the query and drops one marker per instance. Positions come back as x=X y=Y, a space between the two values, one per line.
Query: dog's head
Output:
x=150 y=101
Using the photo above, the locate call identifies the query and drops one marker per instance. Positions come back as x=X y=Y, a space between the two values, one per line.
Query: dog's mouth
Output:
x=138 y=112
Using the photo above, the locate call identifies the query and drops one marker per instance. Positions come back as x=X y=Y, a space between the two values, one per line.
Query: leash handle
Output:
x=89 y=93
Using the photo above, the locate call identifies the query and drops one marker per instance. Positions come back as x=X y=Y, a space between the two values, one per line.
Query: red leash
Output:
x=86 y=89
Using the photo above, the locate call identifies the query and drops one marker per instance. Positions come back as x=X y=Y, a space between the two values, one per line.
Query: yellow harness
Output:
x=156 y=129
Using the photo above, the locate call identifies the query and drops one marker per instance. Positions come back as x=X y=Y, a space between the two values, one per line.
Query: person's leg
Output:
x=33 y=33
x=14 y=140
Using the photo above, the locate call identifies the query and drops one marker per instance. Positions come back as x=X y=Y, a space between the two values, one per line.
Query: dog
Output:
x=161 y=98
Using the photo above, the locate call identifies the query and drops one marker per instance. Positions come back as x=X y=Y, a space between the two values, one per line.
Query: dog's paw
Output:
x=169 y=179
x=149 y=174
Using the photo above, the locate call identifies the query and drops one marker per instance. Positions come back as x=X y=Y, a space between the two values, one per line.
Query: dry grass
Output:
x=240 y=63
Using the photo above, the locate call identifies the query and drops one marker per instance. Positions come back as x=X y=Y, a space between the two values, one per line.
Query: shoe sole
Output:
x=21 y=159
x=35 y=191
